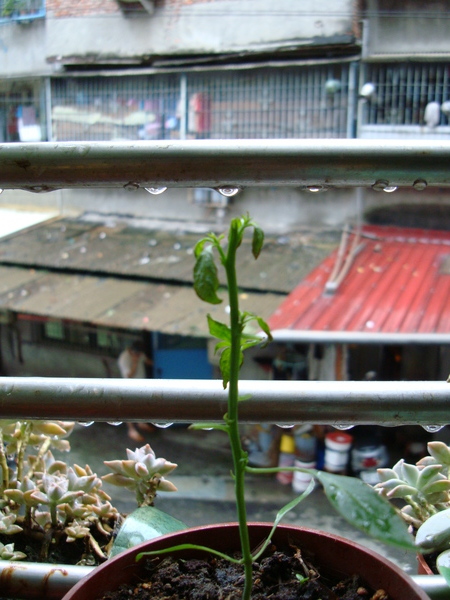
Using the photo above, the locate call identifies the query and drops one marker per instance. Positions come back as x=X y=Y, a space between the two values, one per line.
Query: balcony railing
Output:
x=22 y=11
x=344 y=163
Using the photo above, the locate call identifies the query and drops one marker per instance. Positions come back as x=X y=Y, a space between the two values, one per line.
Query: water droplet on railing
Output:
x=285 y=425
x=420 y=184
x=390 y=188
x=156 y=190
x=315 y=189
x=162 y=425
x=228 y=190
x=114 y=423
x=1 y=191
x=433 y=428
x=132 y=186
x=343 y=426
x=85 y=423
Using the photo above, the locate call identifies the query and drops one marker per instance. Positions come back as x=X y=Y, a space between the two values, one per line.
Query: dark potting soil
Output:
x=280 y=576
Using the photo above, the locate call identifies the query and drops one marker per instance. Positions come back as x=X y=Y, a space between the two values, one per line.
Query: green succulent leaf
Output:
x=206 y=281
x=440 y=452
x=365 y=509
x=427 y=474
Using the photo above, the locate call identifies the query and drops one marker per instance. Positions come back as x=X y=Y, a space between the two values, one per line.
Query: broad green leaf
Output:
x=365 y=509
x=206 y=282
x=434 y=533
x=219 y=330
x=257 y=241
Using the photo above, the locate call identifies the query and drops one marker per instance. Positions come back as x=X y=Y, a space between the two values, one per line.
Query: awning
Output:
x=396 y=290
x=111 y=302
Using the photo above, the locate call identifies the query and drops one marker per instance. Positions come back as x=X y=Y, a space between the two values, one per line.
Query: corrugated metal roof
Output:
x=112 y=302
x=398 y=282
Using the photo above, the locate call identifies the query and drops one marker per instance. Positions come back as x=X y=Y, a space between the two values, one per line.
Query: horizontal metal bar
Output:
x=38 y=580
x=434 y=585
x=345 y=403
x=358 y=337
x=46 y=166
x=41 y=580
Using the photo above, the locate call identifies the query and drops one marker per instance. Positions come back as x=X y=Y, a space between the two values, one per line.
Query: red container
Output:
x=337 y=554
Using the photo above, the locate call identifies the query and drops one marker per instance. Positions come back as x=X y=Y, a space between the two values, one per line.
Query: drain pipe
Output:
x=38 y=580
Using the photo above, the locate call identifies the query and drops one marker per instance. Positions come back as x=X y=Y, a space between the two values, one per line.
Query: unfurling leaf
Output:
x=257 y=241
x=206 y=282
x=219 y=330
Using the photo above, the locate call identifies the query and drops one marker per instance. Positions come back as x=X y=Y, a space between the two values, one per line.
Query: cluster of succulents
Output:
x=48 y=500
x=425 y=489
x=425 y=486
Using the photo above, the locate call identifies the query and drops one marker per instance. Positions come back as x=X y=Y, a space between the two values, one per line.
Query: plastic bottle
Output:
x=337 y=451
x=305 y=456
x=286 y=459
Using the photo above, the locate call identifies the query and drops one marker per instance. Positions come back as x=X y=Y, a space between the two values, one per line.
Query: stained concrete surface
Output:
x=205 y=487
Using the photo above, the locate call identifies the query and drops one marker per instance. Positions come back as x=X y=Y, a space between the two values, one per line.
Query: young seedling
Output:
x=359 y=503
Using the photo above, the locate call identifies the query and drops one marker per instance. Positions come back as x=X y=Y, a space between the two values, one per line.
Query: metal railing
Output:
x=352 y=163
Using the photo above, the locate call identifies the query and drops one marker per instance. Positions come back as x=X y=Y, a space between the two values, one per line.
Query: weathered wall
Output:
x=407 y=27
x=96 y=31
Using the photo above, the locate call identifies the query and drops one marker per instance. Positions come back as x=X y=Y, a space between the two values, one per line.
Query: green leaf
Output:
x=280 y=514
x=224 y=364
x=365 y=509
x=257 y=241
x=218 y=329
x=188 y=547
x=265 y=328
x=206 y=282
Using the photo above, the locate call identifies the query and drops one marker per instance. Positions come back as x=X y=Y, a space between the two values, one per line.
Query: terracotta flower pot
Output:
x=423 y=568
x=338 y=555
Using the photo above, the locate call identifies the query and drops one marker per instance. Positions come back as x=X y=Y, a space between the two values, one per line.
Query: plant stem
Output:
x=239 y=457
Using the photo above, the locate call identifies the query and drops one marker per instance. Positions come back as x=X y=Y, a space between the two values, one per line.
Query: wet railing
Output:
x=311 y=164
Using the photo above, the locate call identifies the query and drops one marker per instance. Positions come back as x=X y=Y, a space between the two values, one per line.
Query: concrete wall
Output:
x=406 y=27
x=89 y=31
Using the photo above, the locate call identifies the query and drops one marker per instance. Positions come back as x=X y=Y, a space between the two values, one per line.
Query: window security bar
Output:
x=314 y=164
x=342 y=403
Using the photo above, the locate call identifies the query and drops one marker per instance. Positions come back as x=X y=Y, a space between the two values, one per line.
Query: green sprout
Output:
x=356 y=501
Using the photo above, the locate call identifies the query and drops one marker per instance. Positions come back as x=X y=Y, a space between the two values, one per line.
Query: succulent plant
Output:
x=425 y=488
x=44 y=497
x=7 y=552
x=142 y=473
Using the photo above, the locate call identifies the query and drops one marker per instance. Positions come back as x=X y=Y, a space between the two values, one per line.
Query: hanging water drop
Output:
x=390 y=188
x=343 y=426
x=420 y=184
x=433 y=428
x=285 y=425
x=85 y=423
x=228 y=190
x=115 y=423
x=315 y=189
x=162 y=425
x=156 y=190
x=1 y=191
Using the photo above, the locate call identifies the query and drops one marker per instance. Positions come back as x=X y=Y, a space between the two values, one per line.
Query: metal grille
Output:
x=303 y=102
x=402 y=92
x=115 y=108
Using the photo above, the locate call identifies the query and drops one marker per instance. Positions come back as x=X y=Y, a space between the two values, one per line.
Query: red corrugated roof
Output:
x=398 y=282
